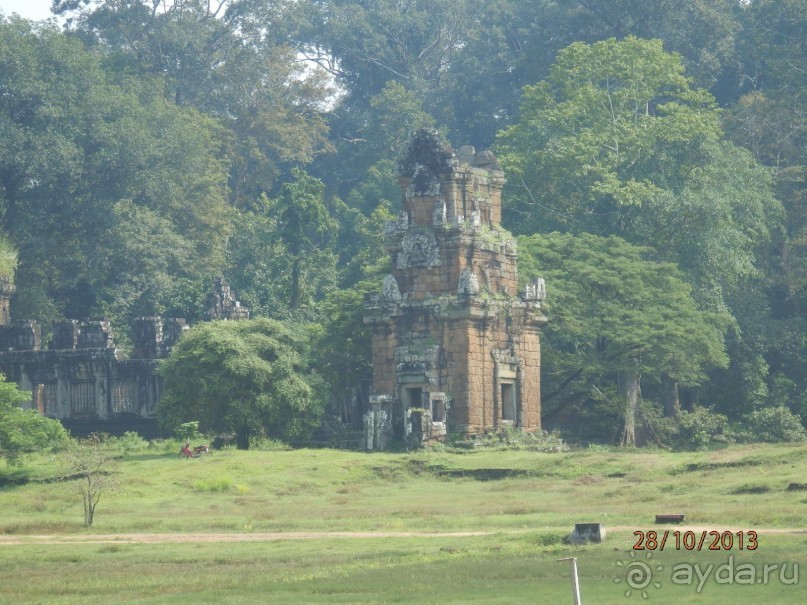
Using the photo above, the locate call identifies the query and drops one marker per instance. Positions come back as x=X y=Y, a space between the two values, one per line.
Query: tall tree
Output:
x=617 y=140
x=617 y=315
x=614 y=124
x=89 y=169
x=215 y=57
x=306 y=228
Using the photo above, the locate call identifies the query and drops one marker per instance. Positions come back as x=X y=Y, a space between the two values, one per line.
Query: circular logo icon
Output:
x=637 y=575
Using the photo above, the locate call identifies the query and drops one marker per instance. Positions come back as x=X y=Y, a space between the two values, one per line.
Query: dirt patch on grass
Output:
x=713 y=466
x=179 y=538
x=480 y=474
x=219 y=537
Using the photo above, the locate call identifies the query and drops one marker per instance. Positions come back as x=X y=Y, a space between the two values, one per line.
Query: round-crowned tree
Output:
x=245 y=377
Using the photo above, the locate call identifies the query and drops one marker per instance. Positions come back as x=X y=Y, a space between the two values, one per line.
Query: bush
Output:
x=188 y=431
x=25 y=431
x=514 y=438
x=696 y=429
x=214 y=484
x=130 y=442
x=773 y=425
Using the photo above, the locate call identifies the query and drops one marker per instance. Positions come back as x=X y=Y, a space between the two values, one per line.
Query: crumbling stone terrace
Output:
x=80 y=377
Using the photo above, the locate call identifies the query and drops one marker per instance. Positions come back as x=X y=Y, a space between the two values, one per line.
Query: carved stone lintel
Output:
x=418 y=249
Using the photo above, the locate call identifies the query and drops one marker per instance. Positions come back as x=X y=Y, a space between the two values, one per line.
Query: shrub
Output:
x=774 y=424
x=514 y=438
x=188 y=431
x=696 y=429
x=214 y=484
x=129 y=442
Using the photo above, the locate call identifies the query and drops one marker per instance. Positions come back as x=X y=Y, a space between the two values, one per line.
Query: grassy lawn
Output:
x=526 y=502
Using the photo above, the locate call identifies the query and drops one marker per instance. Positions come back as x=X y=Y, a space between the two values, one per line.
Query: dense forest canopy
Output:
x=148 y=145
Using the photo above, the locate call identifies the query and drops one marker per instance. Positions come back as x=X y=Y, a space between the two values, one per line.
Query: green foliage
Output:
x=306 y=229
x=130 y=442
x=24 y=431
x=228 y=62
x=626 y=145
x=188 y=431
x=614 y=124
x=213 y=484
x=617 y=140
x=610 y=303
x=614 y=311
x=695 y=429
x=128 y=188
x=343 y=348
x=774 y=424
x=514 y=438
x=241 y=376
x=8 y=260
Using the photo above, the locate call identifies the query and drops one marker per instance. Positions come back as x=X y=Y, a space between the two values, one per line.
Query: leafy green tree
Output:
x=343 y=350
x=615 y=124
x=224 y=59
x=246 y=377
x=24 y=431
x=306 y=228
x=772 y=124
x=618 y=141
x=704 y=32
x=368 y=44
x=93 y=176
x=258 y=265
x=616 y=315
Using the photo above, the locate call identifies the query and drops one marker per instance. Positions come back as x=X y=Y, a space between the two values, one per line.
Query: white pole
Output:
x=575 y=581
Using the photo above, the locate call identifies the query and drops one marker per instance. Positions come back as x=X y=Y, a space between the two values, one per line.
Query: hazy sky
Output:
x=30 y=9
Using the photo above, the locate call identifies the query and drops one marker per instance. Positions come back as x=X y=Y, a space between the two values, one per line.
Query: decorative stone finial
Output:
x=535 y=290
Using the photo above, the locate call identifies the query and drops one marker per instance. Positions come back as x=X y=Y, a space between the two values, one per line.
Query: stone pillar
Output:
x=65 y=335
x=147 y=337
x=7 y=289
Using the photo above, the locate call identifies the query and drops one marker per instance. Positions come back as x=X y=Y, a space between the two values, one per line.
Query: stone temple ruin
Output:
x=455 y=350
x=81 y=379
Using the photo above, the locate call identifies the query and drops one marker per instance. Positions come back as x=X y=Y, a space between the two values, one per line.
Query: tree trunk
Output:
x=672 y=404
x=242 y=438
x=295 y=284
x=629 y=384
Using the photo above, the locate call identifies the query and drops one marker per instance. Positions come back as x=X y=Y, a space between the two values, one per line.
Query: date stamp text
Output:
x=695 y=540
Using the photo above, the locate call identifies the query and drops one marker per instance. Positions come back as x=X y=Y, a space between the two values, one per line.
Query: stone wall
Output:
x=80 y=377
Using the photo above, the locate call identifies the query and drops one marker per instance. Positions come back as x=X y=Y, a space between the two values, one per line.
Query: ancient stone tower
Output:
x=455 y=350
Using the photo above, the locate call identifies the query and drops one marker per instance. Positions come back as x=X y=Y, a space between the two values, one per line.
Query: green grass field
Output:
x=524 y=502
